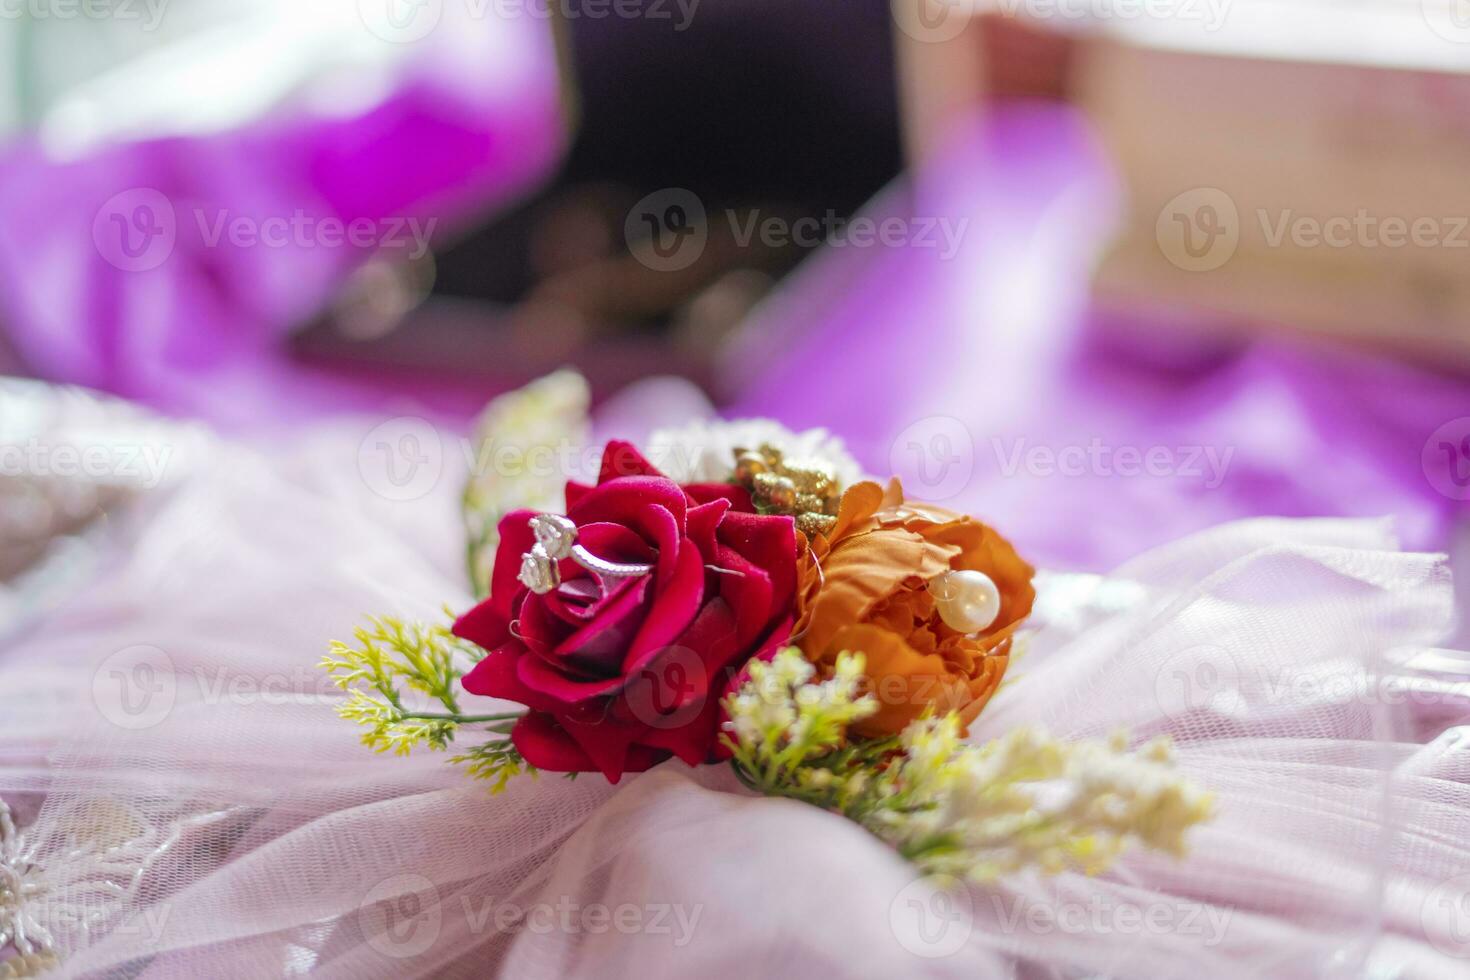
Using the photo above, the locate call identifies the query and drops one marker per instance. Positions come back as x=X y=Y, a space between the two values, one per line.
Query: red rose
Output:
x=619 y=677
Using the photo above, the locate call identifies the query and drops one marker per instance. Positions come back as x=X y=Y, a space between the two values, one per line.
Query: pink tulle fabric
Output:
x=241 y=830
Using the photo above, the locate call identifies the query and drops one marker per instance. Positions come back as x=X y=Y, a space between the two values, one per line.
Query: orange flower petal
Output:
x=862 y=588
x=904 y=681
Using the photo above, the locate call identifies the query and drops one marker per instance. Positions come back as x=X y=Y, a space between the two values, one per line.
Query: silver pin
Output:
x=556 y=539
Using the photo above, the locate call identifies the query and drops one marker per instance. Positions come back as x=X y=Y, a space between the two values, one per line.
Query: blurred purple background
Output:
x=983 y=378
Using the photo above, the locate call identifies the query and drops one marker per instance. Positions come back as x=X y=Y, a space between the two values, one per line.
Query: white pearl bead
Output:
x=968 y=602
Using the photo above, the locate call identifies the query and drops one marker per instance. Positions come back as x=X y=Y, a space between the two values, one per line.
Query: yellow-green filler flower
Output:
x=975 y=811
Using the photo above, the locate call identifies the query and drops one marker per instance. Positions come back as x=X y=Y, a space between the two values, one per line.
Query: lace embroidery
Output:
x=62 y=887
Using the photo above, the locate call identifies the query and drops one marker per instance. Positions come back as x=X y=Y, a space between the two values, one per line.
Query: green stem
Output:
x=743 y=776
x=460 y=719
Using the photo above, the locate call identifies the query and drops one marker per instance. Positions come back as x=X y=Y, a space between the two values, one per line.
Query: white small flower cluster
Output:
x=1028 y=800
x=978 y=812
x=783 y=718
x=704 y=452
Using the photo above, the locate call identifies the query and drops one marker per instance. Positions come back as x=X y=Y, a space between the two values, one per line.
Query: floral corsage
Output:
x=753 y=601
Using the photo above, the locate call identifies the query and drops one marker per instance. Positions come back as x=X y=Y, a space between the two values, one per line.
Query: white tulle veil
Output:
x=187 y=803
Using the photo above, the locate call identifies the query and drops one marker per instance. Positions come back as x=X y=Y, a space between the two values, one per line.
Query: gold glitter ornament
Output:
x=809 y=479
x=809 y=503
x=812 y=524
x=777 y=492
x=748 y=466
x=803 y=489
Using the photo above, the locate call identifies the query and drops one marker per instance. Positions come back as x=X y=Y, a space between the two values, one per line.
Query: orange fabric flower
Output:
x=863 y=588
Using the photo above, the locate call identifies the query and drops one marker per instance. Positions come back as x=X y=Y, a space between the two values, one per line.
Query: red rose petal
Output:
x=576 y=682
x=620 y=459
x=711 y=635
x=574 y=492
x=600 y=645
x=497 y=676
x=614 y=542
x=674 y=606
x=748 y=591
x=641 y=758
x=539 y=627
x=738 y=496
x=555 y=687
x=694 y=742
x=713 y=638
x=665 y=534
x=701 y=523
x=580 y=601
x=627 y=502
x=612 y=747
x=769 y=543
x=575 y=601
x=515 y=540
x=482 y=625
x=545 y=745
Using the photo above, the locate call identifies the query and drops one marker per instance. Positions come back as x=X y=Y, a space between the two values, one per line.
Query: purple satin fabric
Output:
x=953 y=370
x=965 y=374
x=199 y=334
